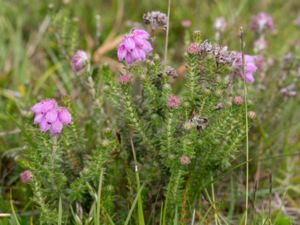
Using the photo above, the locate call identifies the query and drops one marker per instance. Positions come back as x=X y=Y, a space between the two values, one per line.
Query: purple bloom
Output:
x=26 y=176
x=134 y=47
x=64 y=116
x=250 y=67
x=50 y=117
x=173 y=102
x=56 y=128
x=79 y=61
x=261 y=22
x=297 y=21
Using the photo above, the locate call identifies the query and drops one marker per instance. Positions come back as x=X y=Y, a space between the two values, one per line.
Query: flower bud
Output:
x=79 y=61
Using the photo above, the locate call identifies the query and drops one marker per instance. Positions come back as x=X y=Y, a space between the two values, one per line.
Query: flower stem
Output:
x=246 y=126
x=167 y=34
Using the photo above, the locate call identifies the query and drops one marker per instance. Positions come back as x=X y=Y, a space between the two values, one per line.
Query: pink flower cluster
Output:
x=173 y=102
x=124 y=79
x=50 y=117
x=261 y=22
x=26 y=176
x=250 y=67
x=134 y=47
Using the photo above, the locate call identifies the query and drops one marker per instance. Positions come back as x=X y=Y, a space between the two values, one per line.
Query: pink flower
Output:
x=193 y=48
x=79 y=61
x=134 y=47
x=50 y=117
x=260 y=44
x=185 y=160
x=26 y=176
x=259 y=62
x=297 y=21
x=261 y=21
x=220 y=24
x=250 y=67
x=238 y=100
x=64 y=116
x=173 y=102
x=186 y=23
x=124 y=79
x=56 y=128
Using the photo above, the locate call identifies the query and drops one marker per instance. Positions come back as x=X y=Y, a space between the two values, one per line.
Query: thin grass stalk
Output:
x=246 y=126
x=14 y=215
x=59 y=222
x=140 y=202
x=167 y=34
x=98 y=202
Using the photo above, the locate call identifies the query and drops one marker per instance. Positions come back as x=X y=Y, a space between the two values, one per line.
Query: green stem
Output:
x=246 y=127
x=167 y=33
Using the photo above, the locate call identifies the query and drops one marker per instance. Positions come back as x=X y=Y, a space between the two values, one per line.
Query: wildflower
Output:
x=219 y=106
x=289 y=91
x=186 y=23
x=220 y=53
x=171 y=72
x=297 y=21
x=124 y=79
x=259 y=62
x=185 y=160
x=251 y=115
x=261 y=22
x=50 y=117
x=220 y=24
x=156 y=20
x=134 y=47
x=250 y=67
x=238 y=100
x=173 y=102
x=260 y=44
x=26 y=176
x=79 y=61
x=193 y=48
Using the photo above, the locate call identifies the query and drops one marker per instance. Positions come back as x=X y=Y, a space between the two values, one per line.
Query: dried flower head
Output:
x=171 y=72
x=50 y=117
x=185 y=160
x=156 y=20
x=79 y=61
x=134 y=47
x=251 y=115
x=289 y=91
x=238 y=100
x=26 y=176
x=261 y=22
x=173 y=102
x=220 y=53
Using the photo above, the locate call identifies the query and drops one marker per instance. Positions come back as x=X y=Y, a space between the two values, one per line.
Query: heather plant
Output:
x=126 y=134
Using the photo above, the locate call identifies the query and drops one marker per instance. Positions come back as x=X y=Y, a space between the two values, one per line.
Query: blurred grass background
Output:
x=31 y=68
